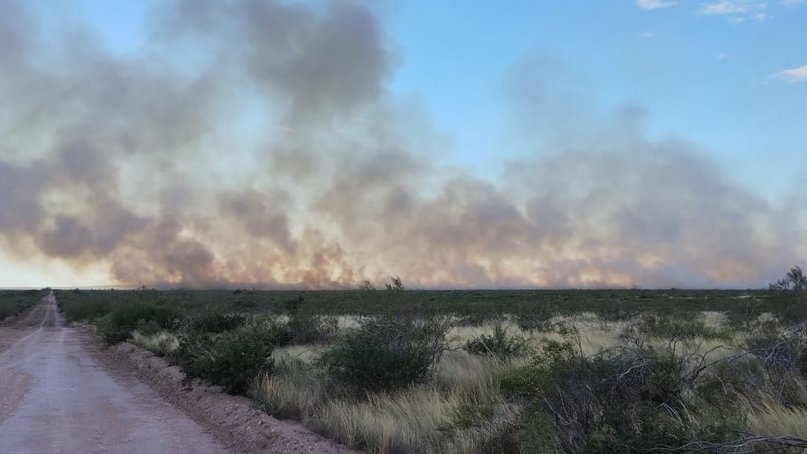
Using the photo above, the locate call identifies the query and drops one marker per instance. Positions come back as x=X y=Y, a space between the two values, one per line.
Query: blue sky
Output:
x=469 y=95
x=704 y=77
x=704 y=70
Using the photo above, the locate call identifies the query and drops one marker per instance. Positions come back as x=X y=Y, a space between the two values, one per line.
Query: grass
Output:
x=13 y=302
x=162 y=343
x=680 y=348
x=478 y=304
x=415 y=419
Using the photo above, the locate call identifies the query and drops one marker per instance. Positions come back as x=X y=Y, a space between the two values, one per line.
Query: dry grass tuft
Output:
x=306 y=353
x=777 y=420
x=767 y=416
x=408 y=421
x=416 y=419
x=162 y=343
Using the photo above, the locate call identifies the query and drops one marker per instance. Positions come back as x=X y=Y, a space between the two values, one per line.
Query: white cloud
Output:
x=736 y=10
x=793 y=74
x=650 y=5
x=647 y=35
x=724 y=7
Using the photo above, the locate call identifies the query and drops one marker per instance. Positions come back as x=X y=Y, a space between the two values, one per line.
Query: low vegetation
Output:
x=231 y=359
x=13 y=302
x=495 y=372
x=386 y=354
x=498 y=343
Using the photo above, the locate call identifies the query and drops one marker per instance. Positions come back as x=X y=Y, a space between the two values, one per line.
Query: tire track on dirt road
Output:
x=55 y=398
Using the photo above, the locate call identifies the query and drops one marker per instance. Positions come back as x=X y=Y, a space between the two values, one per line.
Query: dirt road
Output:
x=55 y=398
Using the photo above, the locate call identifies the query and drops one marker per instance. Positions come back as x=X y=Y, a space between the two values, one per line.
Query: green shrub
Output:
x=85 y=311
x=795 y=312
x=537 y=320
x=387 y=354
x=745 y=314
x=272 y=332
x=634 y=398
x=123 y=318
x=470 y=413
x=148 y=327
x=479 y=319
x=13 y=302
x=498 y=344
x=231 y=359
x=533 y=431
x=614 y=312
x=679 y=328
x=365 y=360
x=792 y=290
x=783 y=354
x=215 y=322
x=312 y=329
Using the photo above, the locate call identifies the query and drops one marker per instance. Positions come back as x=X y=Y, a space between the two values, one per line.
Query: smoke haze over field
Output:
x=257 y=142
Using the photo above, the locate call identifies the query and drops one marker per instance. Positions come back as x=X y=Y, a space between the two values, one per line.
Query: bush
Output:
x=86 y=311
x=365 y=360
x=745 y=314
x=498 y=344
x=232 y=359
x=311 y=329
x=679 y=328
x=783 y=354
x=395 y=284
x=794 y=313
x=635 y=398
x=614 y=312
x=794 y=280
x=15 y=301
x=531 y=322
x=384 y=355
x=148 y=327
x=478 y=319
x=123 y=318
x=532 y=431
x=271 y=332
x=215 y=322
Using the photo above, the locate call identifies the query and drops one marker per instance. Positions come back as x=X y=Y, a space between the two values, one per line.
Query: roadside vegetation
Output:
x=13 y=302
x=492 y=371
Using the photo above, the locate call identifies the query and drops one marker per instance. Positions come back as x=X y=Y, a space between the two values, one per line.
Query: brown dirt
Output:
x=12 y=329
x=55 y=398
x=16 y=383
x=232 y=419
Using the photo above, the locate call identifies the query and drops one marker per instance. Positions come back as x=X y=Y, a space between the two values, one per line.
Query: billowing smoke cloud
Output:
x=252 y=142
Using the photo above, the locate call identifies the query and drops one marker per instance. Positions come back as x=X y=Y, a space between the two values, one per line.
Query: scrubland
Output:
x=12 y=302
x=491 y=371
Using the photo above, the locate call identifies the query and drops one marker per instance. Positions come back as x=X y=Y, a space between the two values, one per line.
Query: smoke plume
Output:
x=254 y=143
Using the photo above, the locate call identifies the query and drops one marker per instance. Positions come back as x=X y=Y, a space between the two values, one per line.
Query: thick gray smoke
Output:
x=252 y=142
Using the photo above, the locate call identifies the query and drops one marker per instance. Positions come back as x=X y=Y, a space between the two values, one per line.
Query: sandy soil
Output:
x=55 y=398
x=233 y=419
x=14 y=328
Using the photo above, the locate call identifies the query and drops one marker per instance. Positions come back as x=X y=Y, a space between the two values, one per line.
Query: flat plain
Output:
x=401 y=370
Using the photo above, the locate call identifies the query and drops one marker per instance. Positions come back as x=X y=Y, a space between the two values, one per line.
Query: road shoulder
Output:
x=233 y=420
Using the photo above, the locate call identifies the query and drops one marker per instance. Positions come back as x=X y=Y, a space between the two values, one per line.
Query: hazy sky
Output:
x=653 y=143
